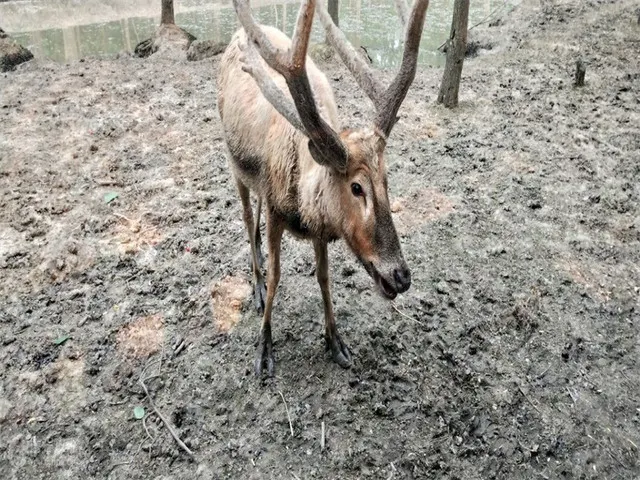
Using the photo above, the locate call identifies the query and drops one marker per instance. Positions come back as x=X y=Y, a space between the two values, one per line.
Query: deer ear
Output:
x=325 y=158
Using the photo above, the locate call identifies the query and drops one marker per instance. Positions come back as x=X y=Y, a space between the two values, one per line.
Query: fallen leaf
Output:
x=110 y=197
x=138 y=412
x=62 y=339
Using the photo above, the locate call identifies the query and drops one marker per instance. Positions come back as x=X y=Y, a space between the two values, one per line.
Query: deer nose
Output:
x=402 y=276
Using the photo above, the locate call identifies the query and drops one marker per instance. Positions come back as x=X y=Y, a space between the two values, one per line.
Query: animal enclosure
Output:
x=513 y=355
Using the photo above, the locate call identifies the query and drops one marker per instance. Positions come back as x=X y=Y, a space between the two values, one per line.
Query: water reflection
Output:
x=107 y=31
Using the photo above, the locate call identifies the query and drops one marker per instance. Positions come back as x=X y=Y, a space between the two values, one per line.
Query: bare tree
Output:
x=11 y=53
x=334 y=7
x=168 y=36
x=167 y=16
x=456 y=49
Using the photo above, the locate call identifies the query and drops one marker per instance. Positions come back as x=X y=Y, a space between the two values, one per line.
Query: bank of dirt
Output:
x=513 y=355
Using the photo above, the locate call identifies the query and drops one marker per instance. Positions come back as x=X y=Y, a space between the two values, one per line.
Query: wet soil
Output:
x=515 y=353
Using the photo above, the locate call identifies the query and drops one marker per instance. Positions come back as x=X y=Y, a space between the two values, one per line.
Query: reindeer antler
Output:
x=325 y=144
x=387 y=102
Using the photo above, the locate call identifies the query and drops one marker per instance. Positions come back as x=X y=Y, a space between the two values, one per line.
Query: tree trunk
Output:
x=333 y=8
x=457 y=46
x=167 y=16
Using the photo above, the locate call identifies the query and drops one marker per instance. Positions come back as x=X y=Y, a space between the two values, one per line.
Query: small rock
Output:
x=396 y=206
x=381 y=410
x=442 y=288
x=72 y=247
x=497 y=250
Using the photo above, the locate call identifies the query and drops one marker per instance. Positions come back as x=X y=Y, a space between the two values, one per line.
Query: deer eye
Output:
x=356 y=189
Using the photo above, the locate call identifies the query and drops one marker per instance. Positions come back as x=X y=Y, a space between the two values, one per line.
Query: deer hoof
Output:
x=264 y=363
x=264 y=356
x=259 y=295
x=339 y=351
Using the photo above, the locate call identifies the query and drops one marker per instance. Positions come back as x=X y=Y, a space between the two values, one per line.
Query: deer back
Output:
x=267 y=153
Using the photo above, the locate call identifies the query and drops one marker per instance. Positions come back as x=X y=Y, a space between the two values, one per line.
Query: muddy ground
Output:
x=514 y=355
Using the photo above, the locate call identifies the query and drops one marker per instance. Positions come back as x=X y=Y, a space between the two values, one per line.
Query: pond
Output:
x=66 y=30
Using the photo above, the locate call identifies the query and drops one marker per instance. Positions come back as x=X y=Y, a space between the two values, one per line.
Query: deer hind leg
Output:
x=339 y=350
x=259 y=289
x=256 y=234
x=264 y=355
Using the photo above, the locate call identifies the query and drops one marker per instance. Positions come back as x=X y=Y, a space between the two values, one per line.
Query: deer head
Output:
x=355 y=157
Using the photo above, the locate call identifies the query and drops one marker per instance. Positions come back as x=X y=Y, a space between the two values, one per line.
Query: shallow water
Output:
x=67 y=30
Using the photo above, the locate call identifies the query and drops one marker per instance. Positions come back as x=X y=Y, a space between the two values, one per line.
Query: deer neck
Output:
x=319 y=198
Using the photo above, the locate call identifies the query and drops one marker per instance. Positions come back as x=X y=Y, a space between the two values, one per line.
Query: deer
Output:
x=317 y=181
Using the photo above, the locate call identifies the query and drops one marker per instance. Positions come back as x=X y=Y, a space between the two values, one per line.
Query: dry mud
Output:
x=514 y=355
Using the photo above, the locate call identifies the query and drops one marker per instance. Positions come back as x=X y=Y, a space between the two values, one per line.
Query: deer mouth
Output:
x=387 y=290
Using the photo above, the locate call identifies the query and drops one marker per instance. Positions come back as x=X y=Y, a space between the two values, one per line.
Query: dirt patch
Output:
x=514 y=354
x=132 y=233
x=421 y=208
x=141 y=338
x=227 y=299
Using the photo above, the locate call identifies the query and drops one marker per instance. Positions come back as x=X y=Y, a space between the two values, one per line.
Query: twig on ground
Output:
x=287 y=410
x=130 y=221
x=322 y=437
x=631 y=442
x=528 y=399
x=571 y=395
x=395 y=307
x=164 y=420
x=148 y=366
x=105 y=182
x=146 y=429
x=541 y=374
x=609 y=452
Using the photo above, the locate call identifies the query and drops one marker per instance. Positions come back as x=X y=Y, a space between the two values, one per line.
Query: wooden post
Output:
x=334 y=7
x=167 y=16
x=456 y=49
x=580 y=71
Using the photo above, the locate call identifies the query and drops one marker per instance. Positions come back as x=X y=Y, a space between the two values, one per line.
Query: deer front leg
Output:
x=339 y=350
x=264 y=355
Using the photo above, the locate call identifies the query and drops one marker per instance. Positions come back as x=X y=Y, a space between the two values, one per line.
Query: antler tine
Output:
x=274 y=95
x=274 y=57
x=394 y=96
x=325 y=144
x=363 y=73
x=301 y=34
x=387 y=102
